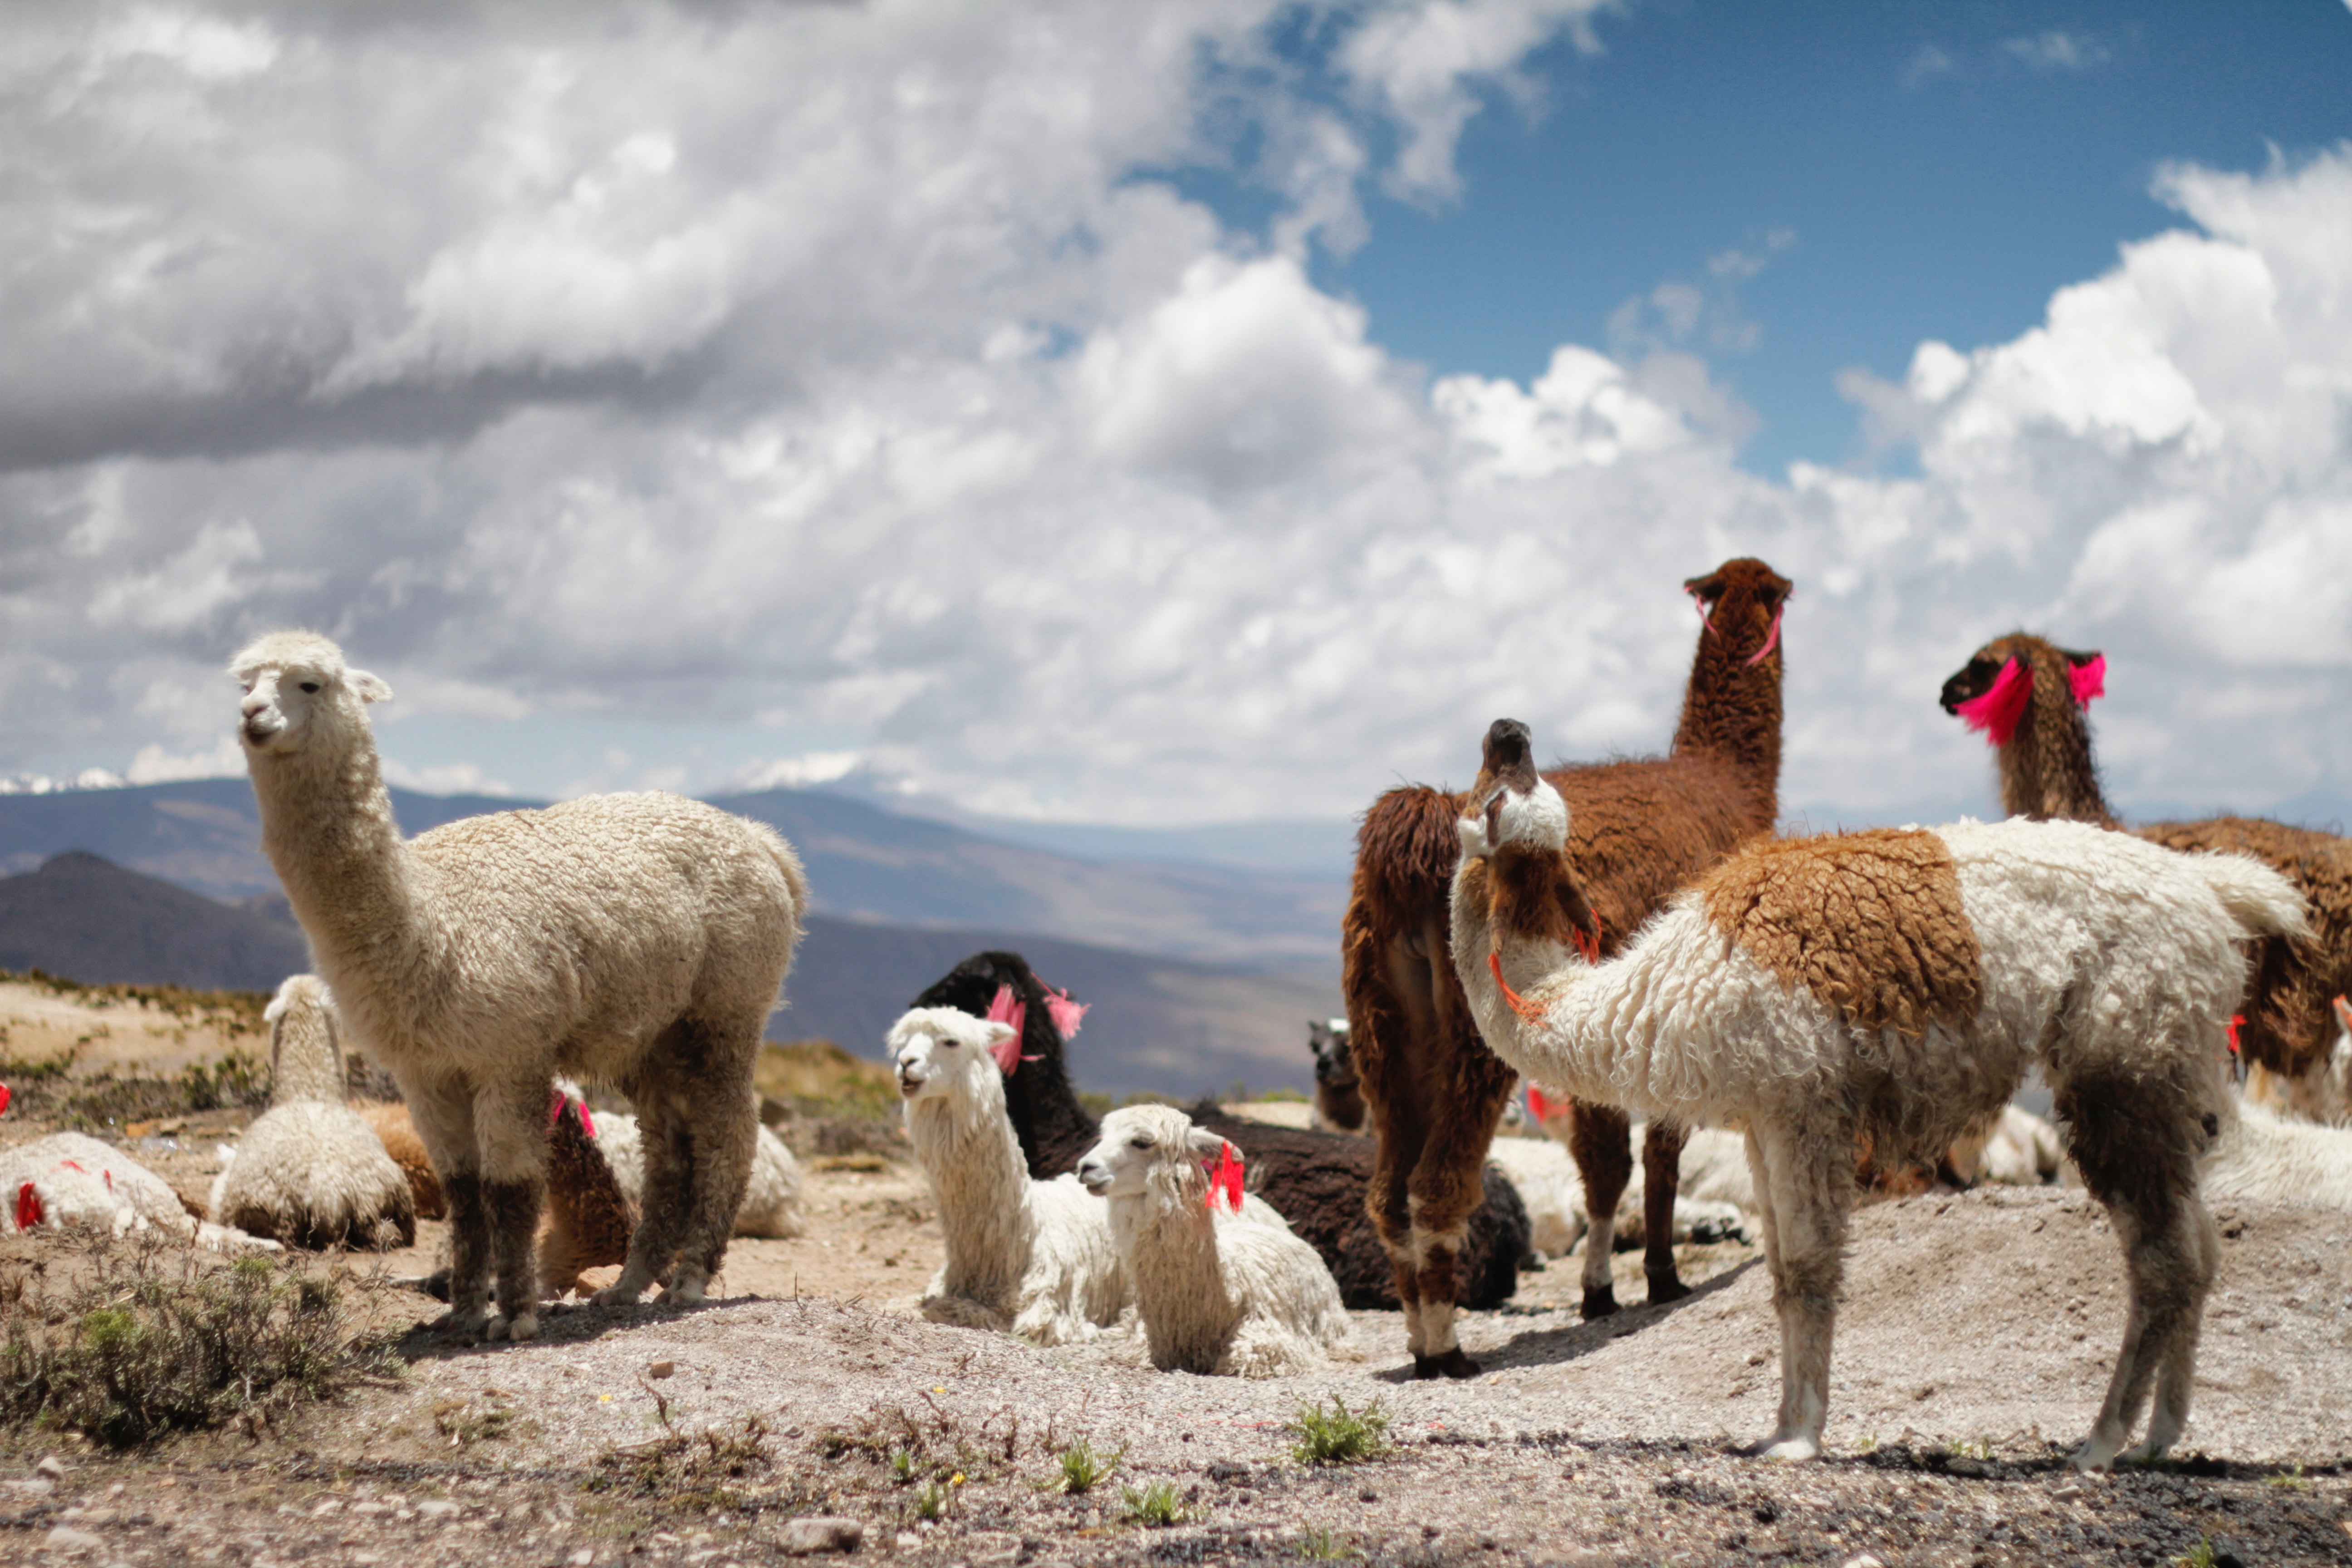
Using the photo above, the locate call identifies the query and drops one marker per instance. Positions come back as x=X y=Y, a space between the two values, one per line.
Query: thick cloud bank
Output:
x=855 y=375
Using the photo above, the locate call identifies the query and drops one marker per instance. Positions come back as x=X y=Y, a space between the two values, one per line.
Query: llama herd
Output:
x=1797 y=1021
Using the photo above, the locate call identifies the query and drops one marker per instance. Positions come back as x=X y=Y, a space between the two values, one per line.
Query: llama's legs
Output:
x=1391 y=1017
x=2176 y=1373
x=721 y=1137
x=1600 y=1140
x=1805 y=1244
x=1662 y=1180
x=442 y=1114
x=1448 y=1183
x=510 y=1123
x=662 y=1206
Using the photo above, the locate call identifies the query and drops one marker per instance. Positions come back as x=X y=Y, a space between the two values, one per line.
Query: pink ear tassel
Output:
x=1772 y=641
x=1225 y=1180
x=1997 y=712
x=1066 y=1013
x=1007 y=1008
x=1698 y=603
x=3 y=1099
x=1540 y=1105
x=2090 y=679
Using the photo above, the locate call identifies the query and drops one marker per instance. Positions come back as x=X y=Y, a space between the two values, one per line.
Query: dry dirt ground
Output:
x=1974 y=1343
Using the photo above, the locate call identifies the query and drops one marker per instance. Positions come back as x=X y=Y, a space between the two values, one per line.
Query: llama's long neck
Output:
x=328 y=829
x=305 y=1064
x=2046 y=768
x=1732 y=708
x=982 y=1184
x=1167 y=1241
x=1575 y=1027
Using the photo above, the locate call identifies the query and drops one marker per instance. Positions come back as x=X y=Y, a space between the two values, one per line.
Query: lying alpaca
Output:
x=1221 y=1289
x=1316 y=1180
x=1892 y=988
x=2269 y=1157
x=2322 y=1093
x=1032 y=1257
x=589 y=1217
x=772 y=1197
x=397 y=1131
x=310 y=1171
x=2032 y=699
x=71 y=1181
x=1338 y=1091
x=1643 y=828
x=635 y=939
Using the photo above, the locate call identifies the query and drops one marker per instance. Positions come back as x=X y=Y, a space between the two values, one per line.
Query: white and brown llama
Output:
x=1892 y=988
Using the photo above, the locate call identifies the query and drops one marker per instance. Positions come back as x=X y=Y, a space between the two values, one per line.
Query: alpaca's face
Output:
x=294 y=684
x=1976 y=677
x=1335 y=1063
x=1138 y=1141
x=939 y=1051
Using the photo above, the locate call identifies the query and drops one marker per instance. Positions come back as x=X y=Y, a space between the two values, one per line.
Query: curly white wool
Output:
x=1231 y=1294
x=772 y=1199
x=2268 y=1156
x=310 y=1171
x=1034 y=1257
x=71 y=1181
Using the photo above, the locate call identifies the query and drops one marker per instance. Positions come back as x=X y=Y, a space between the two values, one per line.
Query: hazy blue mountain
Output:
x=88 y=920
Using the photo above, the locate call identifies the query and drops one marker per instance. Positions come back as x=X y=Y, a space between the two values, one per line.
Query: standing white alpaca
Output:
x=1221 y=1289
x=309 y=1171
x=635 y=939
x=1894 y=986
x=1029 y=1256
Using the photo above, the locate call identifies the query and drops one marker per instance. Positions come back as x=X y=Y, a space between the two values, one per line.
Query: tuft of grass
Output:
x=1083 y=1469
x=1322 y=1546
x=2200 y=1555
x=709 y=1468
x=1338 y=1436
x=160 y=1337
x=930 y=1501
x=1155 y=1505
x=2291 y=1481
x=902 y=1465
x=233 y=1079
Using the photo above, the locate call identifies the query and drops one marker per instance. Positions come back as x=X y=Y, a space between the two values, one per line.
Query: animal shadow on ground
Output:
x=571 y=1325
x=1551 y=1347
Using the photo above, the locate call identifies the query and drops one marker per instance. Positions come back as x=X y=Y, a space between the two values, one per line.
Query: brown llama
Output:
x=2032 y=699
x=1643 y=828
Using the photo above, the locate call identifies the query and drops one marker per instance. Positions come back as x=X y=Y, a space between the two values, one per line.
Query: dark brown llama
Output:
x=1338 y=1091
x=1642 y=828
x=2032 y=699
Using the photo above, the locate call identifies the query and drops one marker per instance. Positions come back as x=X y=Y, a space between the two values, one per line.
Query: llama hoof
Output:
x=514 y=1330
x=1453 y=1363
x=1600 y=1303
x=1792 y=1449
x=1665 y=1288
x=464 y=1325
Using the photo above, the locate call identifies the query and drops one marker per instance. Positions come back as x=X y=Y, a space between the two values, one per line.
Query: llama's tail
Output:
x=1406 y=851
x=2261 y=900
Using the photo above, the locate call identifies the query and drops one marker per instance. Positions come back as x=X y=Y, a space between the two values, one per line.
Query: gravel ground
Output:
x=1973 y=1347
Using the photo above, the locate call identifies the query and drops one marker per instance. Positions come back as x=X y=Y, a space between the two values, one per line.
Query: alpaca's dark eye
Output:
x=950 y=1045
x=310 y=686
x=1141 y=1142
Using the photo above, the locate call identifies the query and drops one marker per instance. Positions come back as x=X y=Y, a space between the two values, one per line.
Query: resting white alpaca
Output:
x=70 y=1182
x=309 y=1171
x=1711 y=1198
x=772 y=1198
x=2268 y=1156
x=2016 y=1150
x=634 y=940
x=1034 y=1257
x=1234 y=1294
x=1893 y=986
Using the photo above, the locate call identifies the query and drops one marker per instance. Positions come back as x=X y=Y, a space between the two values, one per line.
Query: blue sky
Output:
x=1931 y=171
x=1176 y=412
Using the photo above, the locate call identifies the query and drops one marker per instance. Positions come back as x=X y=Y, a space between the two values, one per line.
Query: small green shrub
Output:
x=2200 y=1555
x=1338 y=1436
x=1322 y=1546
x=930 y=1501
x=1154 y=1505
x=234 y=1079
x=902 y=1465
x=160 y=1337
x=1083 y=1469
x=708 y=1468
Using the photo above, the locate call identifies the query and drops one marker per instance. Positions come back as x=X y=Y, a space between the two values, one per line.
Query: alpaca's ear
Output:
x=1206 y=1143
x=370 y=688
x=997 y=1032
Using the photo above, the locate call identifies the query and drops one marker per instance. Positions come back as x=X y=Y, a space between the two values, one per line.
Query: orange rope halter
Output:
x=1587 y=943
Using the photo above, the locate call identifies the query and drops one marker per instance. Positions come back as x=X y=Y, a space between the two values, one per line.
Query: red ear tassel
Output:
x=1225 y=1180
x=29 y=1208
x=2235 y=1020
x=5 y=1096
x=1539 y=1104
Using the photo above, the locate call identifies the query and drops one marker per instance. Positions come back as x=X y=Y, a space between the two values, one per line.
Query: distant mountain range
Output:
x=1153 y=1024
x=865 y=864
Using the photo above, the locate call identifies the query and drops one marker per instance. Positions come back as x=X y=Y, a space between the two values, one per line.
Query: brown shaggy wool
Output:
x=2047 y=770
x=589 y=1218
x=1638 y=830
x=398 y=1135
x=1870 y=923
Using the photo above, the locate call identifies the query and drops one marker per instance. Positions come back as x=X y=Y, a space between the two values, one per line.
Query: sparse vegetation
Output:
x=819 y=1079
x=2200 y=1555
x=1083 y=1469
x=930 y=1501
x=1154 y=1505
x=709 y=1468
x=233 y=1012
x=1322 y=1546
x=2290 y=1480
x=159 y=1337
x=1338 y=1436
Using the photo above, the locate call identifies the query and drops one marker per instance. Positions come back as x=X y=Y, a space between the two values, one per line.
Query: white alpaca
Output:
x=1894 y=987
x=1711 y=1200
x=1233 y=1294
x=69 y=1182
x=1549 y=1189
x=2018 y=1149
x=772 y=1198
x=1032 y=1257
x=2271 y=1157
x=309 y=1171
x=634 y=940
